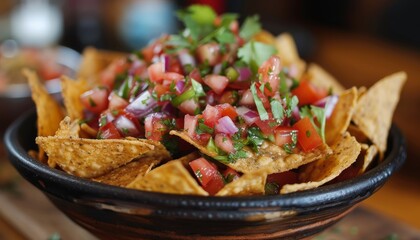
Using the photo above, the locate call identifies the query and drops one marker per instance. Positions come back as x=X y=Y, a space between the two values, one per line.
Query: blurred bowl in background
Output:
x=50 y=64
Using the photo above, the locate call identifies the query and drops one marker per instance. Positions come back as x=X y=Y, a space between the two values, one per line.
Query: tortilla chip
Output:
x=71 y=91
x=369 y=156
x=68 y=128
x=264 y=37
x=315 y=174
x=49 y=112
x=340 y=119
x=246 y=185
x=270 y=157
x=358 y=134
x=171 y=177
x=322 y=79
x=90 y=158
x=95 y=61
x=88 y=131
x=288 y=53
x=127 y=173
x=375 y=108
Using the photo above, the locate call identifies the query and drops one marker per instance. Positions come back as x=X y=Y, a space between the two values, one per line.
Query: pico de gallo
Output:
x=221 y=87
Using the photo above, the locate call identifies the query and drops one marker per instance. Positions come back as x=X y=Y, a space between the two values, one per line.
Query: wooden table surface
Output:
x=354 y=60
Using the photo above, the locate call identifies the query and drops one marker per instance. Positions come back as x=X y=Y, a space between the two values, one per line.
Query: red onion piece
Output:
x=244 y=73
x=179 y=87
x=165 y=59
x=330 y=105
x=226 y=125
x=248 y=115
x=142 y=105
x=217 y=69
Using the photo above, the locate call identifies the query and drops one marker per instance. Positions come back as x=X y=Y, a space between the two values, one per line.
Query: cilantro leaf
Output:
x=291 y=104
x=260 y=107
x=320 y=115
x=198 y=88
x=255 y=54
x=277 y=109
x=250 y=27
x=255 y=138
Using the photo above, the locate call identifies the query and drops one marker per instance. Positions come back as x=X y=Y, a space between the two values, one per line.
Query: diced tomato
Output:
x=269 y=72
x=267 y=126
x=217 y=83
x=247 y=99
x=240 y=85
x=116 y=102
x=230 y=97
x=154 y=128
x=173 y=76
x=95 y=100
x=190 y=124
x=283 y=135
x=208 y=175
x=195 y=74
x=203 y=138
x=262 y=96
x=308 y=137
x=307 y=93
x=283 y=178
x=227 y=110
x=175 y=66
x=160 y=90
x=234 y=27
x=230 y=174
x=109 y=131
x=211 y=115
x=109 y=74
x=156 y=72
x=209 y=53
x=189 y=106
x=224 y=142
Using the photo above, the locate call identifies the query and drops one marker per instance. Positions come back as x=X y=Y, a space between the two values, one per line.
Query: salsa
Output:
x=218 y=84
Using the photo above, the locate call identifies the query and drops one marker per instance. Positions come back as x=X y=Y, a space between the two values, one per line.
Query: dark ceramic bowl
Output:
x=116 y=213
x=16 y=98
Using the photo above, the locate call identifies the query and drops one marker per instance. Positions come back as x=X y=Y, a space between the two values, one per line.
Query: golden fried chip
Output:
x=369 y=156
x=264 y=37
x=358 y=134
x=288 y=53
x=88 y=130
x=68 y=129
x=374 y=110
x=172 y=177
x=340 y=118
x=246 y=185
x=322 y=79
x=49 y=113
x=127 y=173
x=90 y=158
x=270 y=157
x=315 y=174
x=71 y=91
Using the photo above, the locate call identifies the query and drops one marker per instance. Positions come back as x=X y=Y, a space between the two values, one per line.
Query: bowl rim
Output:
x=327 y=195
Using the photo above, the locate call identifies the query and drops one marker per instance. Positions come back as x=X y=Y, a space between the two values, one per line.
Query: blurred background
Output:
x=358 y=42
